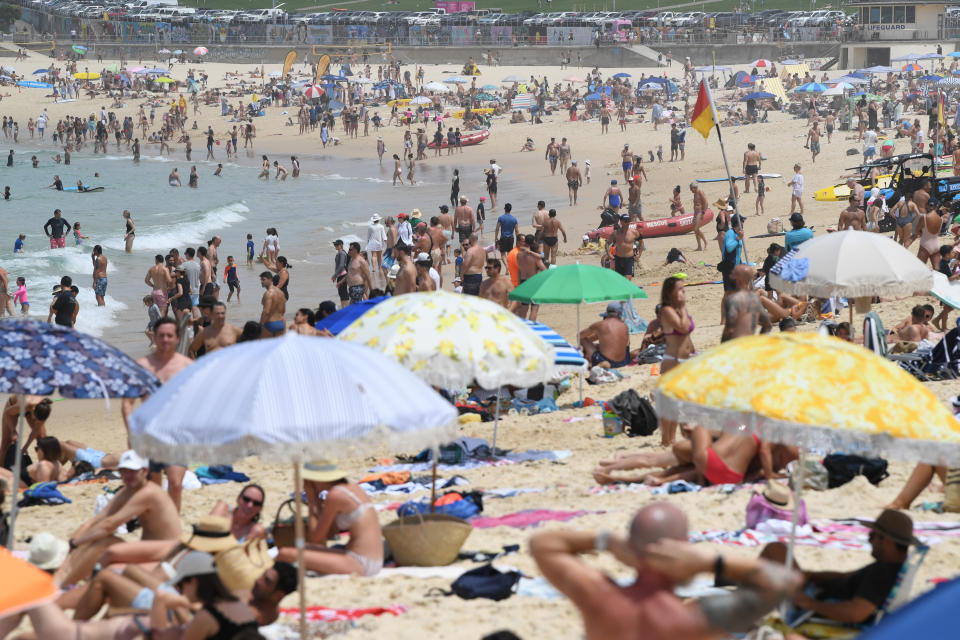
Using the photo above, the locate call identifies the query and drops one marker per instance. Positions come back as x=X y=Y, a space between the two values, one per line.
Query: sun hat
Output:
x=194 y=563
x=322 y=471
x=778 y=494
x=423 y=257
x=895 y=525
x=416 y=213
x=47 y=551
x=375 y=218
x=211 y=534
x=613 y=309
x=241 y=566
x=131 y=460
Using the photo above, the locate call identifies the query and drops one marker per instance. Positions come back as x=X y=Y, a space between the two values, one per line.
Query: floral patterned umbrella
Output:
x=39 y=358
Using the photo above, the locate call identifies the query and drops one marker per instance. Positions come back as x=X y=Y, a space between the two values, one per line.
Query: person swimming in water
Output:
x=174 y=178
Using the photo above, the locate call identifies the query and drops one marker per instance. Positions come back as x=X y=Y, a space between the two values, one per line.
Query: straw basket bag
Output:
x=283 y=530
x=426 y=540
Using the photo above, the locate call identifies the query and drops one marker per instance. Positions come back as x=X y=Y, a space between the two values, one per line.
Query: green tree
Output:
x=8 y=15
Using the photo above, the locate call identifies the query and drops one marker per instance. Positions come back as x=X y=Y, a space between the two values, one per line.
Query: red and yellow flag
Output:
x=703 y=116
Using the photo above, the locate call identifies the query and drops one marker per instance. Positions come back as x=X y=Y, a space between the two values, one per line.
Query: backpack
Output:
x=638 y=415
x=842 y=468
x=485 y=582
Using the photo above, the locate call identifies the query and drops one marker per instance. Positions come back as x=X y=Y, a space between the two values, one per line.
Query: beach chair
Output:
x=875 y=339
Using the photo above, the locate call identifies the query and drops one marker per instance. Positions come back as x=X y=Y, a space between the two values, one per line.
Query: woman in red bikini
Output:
x=677 y=328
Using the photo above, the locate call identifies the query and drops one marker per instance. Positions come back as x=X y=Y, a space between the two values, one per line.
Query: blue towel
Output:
x=43 y=493
x=219 y=473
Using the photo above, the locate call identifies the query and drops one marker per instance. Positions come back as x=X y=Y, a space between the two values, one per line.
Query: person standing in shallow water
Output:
x=129 y=232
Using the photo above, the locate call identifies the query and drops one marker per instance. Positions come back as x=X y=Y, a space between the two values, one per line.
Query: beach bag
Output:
x=638 y=415
x=388 y=262
x=485 y=582
x=842 y=468
x=759 y=510
x=283 y=529
x=470 y=506
x=853 y=152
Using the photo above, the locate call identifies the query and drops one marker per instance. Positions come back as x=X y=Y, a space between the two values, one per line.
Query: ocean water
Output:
x=331 y=198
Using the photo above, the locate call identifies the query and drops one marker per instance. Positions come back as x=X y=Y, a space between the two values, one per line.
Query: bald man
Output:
x=742 y=310
x=656 y=548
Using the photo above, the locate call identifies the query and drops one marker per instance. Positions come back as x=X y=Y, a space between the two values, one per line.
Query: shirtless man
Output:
x=274 y=306
x=160 y=282
x=473 y=266
x=36 y=412
x=358 y=275
x=852 y=217
x=165 y=362
x=565 y=153
x=529 y=264
x=99 y=275
x=813 y=138
x=174 y=178
x=915 y=328
x=751 y=167
x=446 y=224
x=425 y=281
x=742 y=309
x=699 y=207
x=208 y=282
x=656 y=548
x=538 y=218
x=634 y=208
x=464 y=219
x=612 y=197
x=624 y=237
x=438 y=253
x=139 y=499
x=406 y=281
x=219 y=333
x=550 y=228
x=829 y=122
x=607 y=341
x=857 y=192
x=574 y=182
x=212 y=256
x=626 y=161
x=496 y=287
x=552 y=154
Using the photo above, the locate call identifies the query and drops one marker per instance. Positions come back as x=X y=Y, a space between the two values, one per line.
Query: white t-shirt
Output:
x=870 y=139
x=919 y=136
x=797 y=184
x=436 y=277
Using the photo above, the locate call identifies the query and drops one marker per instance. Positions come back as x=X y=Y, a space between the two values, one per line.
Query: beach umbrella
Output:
x=879 y=69
x=851 y=79
x=945 y=290
x=177 y=52
x=312 y=92
x=758 y=95
x=930 y=615
x=201 y=51
x=851 y=264
x=290 y=399
x=86 y=76
x=514 y=78
x=933 y=77
x=344 y=317
x=566 y=79
x=567 y=358
x=489 y=87
x=29 y=84
x=760 y=62
x=26 y=586
x=954 y=54
x=651 y=86
x=843 y=86
x=454 y=341
x=164 y=50
x=812 y=391
x=40 y=72
x=437 y=87
x=79 y=48
x=486 y=97
x=911 y=67
x=811 y=87
x=837 y=90
x=907 y=57
x=576 y=284
x=41 y=359
x=421 y=100
x=949 y=82
x=594 y=96
x=456 y=80
x=930 y=56
x=622 y=74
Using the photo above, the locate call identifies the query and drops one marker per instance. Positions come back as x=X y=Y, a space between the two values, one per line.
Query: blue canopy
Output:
x=332 y=78
x=931 y=78
x=758 y=95
x=907 y=58
x=811 y=87
x=954 y=54
x=594 y=96
x=41 y=71
x=744 y=79
x=932 y=615
x=622 y=74
x=340 y=320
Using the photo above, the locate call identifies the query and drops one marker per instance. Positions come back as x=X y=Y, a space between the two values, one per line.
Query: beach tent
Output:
x=744 y=79
x=800 y=69
x=775 y=86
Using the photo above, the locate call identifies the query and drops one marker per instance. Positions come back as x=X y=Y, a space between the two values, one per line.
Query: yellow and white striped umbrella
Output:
x=814 y=391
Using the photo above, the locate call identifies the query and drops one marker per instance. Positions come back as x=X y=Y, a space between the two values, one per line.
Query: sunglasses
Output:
x=249 y=500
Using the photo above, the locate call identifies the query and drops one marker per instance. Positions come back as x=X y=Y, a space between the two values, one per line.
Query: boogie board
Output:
x=85 y=190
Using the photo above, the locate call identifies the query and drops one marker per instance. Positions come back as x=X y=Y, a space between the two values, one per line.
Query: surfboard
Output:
x=86 y=189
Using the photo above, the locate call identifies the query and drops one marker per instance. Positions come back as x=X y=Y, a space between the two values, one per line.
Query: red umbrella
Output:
x=313 y=91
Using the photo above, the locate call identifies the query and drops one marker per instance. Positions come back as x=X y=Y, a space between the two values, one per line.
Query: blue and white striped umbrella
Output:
x=567 y=358
x=290 y=399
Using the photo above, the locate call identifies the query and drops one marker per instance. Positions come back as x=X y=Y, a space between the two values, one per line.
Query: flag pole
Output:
x=726 y=165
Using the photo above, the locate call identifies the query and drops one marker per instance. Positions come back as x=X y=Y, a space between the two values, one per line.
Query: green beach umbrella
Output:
x=576 y=284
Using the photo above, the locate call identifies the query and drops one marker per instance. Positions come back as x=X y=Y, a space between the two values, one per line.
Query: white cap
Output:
x=194 y=563
x=423 y=257
x=133 y=461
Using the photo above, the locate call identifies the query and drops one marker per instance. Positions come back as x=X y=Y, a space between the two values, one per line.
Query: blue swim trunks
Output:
x=94 y=457
x=100 y=288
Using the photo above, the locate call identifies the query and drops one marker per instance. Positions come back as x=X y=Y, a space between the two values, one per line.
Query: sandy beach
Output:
x=566 y=484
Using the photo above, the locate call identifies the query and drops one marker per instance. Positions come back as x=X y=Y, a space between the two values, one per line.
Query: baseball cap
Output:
x=423 y=257
x=444 y=208
x=797 y=217
x=613 y=182
x=130 y=459
x=613 y=309
x=401 y=216
x=339 y=243
x=483 y=197
x=624 y=216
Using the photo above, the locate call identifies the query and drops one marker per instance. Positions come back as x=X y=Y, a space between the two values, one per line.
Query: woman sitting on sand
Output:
x=346 y=508
x=245 y=517
x=45 y=469
x=36 y=412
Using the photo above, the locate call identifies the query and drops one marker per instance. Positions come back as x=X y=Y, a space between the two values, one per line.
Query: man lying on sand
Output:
x=707 y=458
x=139 y=500
x=656 y=547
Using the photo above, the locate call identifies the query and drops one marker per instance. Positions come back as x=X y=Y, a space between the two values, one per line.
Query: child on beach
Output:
x=650 y=152
x=761 y=191
x=659 y=153
x=77 y=236
x=458 y=261
x=153 y=315
x=18 y=243
x=586 y=172
x=250 y=250
x=20 y=297
x=233 y=281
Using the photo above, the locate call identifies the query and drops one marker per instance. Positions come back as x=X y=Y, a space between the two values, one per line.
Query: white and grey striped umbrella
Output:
x=290 y=399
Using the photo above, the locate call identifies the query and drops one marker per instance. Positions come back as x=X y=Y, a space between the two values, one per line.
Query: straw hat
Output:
x=778 y=495
x=322 y=471
x=211 y=534
x=242 y=565
x=47 y=551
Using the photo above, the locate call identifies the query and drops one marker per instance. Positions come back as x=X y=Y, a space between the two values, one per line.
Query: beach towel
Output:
x=528 y=518
x=635 y=324
x=826 y=534
x=329 y=614
x=43 y=494
x=417 y=484
x=677 y=486
x=219 y=474
x=506 y=459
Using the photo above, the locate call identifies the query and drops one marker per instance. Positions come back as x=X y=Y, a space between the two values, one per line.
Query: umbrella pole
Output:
x=798 y=491
x=578 y=346
x=496 y=424
x=433 y=486
x=298 y=531
x=17 y=465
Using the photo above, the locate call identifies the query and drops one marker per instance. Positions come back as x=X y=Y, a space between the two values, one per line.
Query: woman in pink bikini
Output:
x=677 y=330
